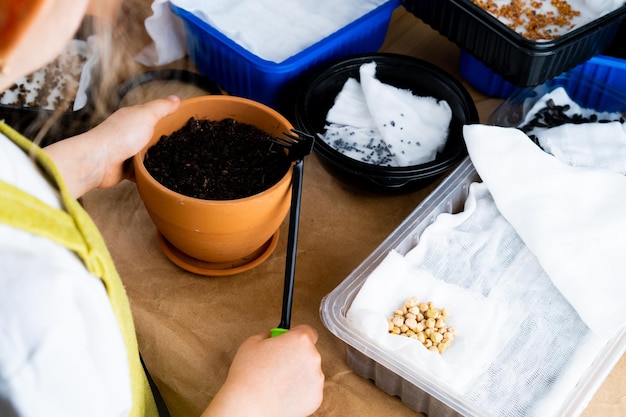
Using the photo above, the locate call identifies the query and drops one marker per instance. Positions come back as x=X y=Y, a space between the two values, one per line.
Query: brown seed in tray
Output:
x=527 y=19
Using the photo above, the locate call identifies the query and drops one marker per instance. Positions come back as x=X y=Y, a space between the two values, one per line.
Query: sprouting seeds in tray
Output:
x=530 y=20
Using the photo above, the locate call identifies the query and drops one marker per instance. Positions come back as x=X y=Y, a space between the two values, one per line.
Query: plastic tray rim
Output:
x=291 y=62
x=422 y=216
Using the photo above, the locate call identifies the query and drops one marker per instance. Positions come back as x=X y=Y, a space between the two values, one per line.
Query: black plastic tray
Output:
x=29 y=121
x=422 y=78
x=518 y=60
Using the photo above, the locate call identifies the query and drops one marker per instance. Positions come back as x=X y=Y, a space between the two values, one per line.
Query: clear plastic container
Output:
x=608 y=69
x=585 y=90
x=415 y=389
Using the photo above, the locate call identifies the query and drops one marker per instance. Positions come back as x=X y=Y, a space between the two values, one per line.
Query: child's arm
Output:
x=95 y=159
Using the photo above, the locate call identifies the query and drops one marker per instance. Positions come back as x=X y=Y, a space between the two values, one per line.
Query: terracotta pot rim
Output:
x=139 y=165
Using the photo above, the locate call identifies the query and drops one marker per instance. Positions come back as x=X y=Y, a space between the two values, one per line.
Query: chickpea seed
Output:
x=424 y=322
x=432 y=313
x=411 y=323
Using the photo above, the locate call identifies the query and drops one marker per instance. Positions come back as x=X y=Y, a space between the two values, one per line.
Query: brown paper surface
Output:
x=190 y=326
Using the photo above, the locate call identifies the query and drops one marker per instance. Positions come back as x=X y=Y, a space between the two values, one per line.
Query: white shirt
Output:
x=61 y=351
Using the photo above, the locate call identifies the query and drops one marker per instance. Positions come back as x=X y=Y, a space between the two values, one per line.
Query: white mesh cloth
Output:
x=571 y=218
x=273 y=30
x=254 y=25
x=520 y=345
x=378 y=123
x=598 y=145
x=531 y=271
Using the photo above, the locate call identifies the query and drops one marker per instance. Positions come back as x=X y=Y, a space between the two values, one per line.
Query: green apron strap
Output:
x=23 y=211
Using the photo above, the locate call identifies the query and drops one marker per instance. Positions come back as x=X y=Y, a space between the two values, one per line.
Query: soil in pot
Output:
x=217 y=160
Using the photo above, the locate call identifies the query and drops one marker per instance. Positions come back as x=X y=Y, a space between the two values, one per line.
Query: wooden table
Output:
x=190 y=326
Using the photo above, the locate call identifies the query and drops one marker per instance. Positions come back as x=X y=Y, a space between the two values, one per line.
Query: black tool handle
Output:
x=292 y=244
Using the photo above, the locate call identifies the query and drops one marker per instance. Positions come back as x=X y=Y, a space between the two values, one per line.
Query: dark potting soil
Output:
x=217 y=160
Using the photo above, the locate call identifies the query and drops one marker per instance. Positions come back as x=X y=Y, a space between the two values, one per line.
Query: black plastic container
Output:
x=28 y=121
x=423 y=79
x=609 y=68
x=518 y=60
x=174 y=75
x=58 y=124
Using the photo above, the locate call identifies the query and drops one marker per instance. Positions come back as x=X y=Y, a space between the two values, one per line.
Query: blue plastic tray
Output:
x=242 y=73
x=609 y=70
x=587 y=91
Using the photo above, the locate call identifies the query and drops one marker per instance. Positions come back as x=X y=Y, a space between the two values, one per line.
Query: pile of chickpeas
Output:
x=424 y=322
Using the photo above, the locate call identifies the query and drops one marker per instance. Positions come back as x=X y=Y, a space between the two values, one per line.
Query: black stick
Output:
x=292 y=244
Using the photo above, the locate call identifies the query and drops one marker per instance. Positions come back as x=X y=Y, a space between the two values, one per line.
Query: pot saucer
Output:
x=197 y=266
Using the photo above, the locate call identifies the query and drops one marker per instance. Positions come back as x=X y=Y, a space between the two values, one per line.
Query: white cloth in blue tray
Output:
x=273 y=30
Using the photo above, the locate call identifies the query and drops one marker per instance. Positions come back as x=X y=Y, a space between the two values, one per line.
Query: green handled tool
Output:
x=298 y=145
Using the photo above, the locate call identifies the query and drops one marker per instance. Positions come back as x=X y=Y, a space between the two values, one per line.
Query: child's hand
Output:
x=273 y=376
x=95 y=159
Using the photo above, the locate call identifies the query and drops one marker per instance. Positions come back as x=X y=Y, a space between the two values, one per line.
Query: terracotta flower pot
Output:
x=216 y=237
